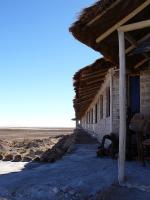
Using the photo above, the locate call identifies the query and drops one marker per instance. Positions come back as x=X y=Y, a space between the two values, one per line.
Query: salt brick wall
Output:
x=145 y=92
x=115 y=103
x=103 y=126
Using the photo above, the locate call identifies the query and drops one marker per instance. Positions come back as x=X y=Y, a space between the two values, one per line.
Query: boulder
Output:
x=17 y=158
x=8 y=157
x=26 y=159
x=65 y=145
x=37 y=159
x=1 y=157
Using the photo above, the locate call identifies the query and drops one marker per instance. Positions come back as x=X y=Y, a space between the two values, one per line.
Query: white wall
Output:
x=106 y=125
x=115 y=103
x=110 y=124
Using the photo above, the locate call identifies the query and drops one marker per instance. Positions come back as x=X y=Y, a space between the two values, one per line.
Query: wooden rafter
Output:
x=88 y=89
x=87 y=92
x=134 y=43
x=96 y=76
x=83 y=101
x=138 y=42
x=141 y=63
x=123 y=21
x=85 y=97
x=94 y=82
x=135 y=26
x=91 y=85
x=99 y=70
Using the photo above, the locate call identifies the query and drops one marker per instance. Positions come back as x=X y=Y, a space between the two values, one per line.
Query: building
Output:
x=120 y=31
x=97 y=98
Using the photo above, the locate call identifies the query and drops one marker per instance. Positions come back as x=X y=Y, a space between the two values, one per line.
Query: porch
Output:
x=120 y=31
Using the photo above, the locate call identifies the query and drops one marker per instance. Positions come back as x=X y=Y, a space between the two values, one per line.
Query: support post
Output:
x=122 y=108
x=111 y=101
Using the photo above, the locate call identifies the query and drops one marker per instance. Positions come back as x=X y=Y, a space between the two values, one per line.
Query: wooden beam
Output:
x=91 y=85
x=98 y=75
x=134 y=43
x=141 y=63
x=135 y=26
x=89 y=80
x=138 y=42
x=123 y=21
x=100 y=15
x=95 y=81
x=87 y=92
x=94 y=72
x=86 y=89
x=92 y=79
x=83 y=101
x=122 y=108
x=86 y=96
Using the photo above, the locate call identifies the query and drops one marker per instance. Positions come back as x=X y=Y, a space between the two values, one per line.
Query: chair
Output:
x=141 y=126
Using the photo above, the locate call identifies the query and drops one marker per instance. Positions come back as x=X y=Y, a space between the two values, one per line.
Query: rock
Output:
x=17 y=158
x=31 y=153
x=71 y=148
x=72 y=192
x=1 y=157
x=37 y=159
x=64 y=146
x=8 y=157
x=38 y=152
x=55 y=190
x=26 y=159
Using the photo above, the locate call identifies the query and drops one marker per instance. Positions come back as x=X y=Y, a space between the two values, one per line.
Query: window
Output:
x=96 y=113
x=86 y=118
x=107 y=101
x=101 y=106
x=92 y=116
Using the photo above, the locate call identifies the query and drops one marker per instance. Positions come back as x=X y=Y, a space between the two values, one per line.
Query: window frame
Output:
x=101 y=102
x=108 y=101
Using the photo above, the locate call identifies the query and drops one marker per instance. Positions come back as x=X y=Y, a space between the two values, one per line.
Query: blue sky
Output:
x=38 y=57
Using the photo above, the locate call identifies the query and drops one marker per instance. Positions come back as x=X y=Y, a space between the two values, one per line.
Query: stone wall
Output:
x=145 y=92
x=110 y=124
x=115 y=102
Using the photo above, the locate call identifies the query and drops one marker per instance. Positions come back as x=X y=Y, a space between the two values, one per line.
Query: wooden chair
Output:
x=145 y=140
x=141 y=126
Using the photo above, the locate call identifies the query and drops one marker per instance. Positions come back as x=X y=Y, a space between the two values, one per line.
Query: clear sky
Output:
x=38 y=57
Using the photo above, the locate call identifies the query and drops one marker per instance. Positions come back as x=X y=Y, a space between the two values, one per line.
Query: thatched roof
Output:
x=93 y=22
x=87 y=82
x=98 y=18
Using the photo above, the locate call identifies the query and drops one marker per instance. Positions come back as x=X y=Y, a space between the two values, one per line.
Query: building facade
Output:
x=102 y=115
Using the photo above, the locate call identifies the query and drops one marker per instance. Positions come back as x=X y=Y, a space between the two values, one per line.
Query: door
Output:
x=134 y=94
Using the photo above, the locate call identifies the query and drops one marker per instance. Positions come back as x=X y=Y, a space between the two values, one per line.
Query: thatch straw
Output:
x=87 y=82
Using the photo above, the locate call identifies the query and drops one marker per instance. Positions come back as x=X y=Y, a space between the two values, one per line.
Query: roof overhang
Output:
x=97 y=27
x=87 y=82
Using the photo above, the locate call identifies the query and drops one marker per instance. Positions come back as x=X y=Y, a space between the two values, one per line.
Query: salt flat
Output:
x=33 y=132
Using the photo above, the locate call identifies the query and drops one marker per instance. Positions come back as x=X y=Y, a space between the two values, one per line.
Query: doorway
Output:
x=134 y=93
